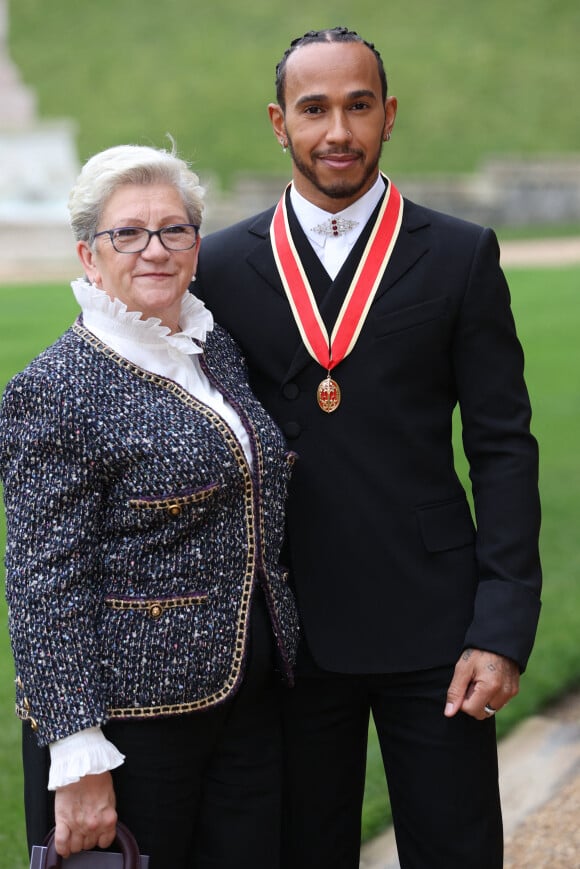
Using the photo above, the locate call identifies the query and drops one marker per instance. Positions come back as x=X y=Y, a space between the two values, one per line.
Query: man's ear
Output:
x=390 y=115
x=277 y=120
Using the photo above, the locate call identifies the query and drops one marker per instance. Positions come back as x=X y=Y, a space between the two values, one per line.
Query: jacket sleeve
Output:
x=503 y=462
x=52 y=494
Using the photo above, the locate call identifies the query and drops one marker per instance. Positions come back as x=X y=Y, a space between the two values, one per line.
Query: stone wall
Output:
x=505 y=191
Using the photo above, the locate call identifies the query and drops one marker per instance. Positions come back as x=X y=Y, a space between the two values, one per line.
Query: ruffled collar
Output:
x=112 y=317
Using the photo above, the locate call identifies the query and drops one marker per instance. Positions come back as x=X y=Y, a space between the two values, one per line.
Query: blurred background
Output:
x=488 y=123
x=488 y=128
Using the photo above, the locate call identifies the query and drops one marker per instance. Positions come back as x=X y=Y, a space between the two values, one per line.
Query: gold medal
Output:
x=328 y=394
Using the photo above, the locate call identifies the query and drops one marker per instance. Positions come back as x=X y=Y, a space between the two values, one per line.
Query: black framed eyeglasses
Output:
x=134 y=239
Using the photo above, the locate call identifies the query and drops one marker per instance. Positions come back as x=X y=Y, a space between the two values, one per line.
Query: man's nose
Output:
x=338 y=130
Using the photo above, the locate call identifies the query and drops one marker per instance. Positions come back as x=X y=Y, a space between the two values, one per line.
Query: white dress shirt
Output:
x=333 y=250
x=149 y=345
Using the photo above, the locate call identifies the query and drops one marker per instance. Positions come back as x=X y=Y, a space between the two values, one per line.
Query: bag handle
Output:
x=123 y=837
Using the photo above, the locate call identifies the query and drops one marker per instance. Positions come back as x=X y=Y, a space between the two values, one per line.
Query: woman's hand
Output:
x=85 y=814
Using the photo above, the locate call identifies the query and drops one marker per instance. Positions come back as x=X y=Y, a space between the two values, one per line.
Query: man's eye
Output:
x=312 y=110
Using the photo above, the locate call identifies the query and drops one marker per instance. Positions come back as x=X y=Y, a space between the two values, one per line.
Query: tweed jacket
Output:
x=137 y=534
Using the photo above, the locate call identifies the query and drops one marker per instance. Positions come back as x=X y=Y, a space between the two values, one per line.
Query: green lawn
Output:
x=473 y=79
x=547 y=307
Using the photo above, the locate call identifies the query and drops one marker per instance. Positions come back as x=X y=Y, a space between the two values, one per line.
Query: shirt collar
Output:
x=309 y=215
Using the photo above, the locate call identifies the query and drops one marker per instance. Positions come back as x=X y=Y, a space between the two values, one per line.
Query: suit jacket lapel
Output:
x=413 y=242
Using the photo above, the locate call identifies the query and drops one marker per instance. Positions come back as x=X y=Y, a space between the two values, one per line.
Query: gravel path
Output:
x=550 y=835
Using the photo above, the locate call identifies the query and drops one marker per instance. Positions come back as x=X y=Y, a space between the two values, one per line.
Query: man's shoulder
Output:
x=447 y=233
x=257 y=225
x=423 y=214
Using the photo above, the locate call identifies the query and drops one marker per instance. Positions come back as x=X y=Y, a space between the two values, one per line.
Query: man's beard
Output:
x=341 y=189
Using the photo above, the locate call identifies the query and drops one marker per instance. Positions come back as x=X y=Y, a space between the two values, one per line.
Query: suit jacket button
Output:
x=291 y=391
x=174 y=510
x=155 y=610
x=292 y=429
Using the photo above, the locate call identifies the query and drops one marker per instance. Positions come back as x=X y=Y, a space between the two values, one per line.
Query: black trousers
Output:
x=199 y=791
x=442 y=773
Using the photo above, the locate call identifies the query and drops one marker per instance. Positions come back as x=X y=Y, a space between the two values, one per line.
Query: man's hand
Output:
x=85 y=814
x=481 y=679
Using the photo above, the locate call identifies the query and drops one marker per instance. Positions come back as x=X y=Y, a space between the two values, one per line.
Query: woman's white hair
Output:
x=103 y=173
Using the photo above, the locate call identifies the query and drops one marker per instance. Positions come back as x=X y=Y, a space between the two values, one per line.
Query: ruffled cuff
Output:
x=87 y=752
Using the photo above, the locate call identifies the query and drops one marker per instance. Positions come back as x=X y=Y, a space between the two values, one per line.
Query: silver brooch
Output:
x=335 y=226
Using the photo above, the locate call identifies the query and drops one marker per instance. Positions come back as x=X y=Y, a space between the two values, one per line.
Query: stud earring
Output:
x=284 y=144
x=387 y=137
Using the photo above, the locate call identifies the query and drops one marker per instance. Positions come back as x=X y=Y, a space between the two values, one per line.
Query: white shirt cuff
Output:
x=87 y=752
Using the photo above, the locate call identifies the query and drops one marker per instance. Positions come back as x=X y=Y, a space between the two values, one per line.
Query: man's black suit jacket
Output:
x=391 y=572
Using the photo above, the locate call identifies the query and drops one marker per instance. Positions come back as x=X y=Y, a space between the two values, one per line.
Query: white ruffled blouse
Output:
x=150 y=345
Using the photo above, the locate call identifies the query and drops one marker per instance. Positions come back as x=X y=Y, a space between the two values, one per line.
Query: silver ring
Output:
x=489 y=710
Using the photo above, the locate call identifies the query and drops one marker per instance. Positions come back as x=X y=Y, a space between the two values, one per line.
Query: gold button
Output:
x=174 y=510
x=155 y=610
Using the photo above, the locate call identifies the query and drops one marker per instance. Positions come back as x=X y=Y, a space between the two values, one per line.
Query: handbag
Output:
x=45 y=856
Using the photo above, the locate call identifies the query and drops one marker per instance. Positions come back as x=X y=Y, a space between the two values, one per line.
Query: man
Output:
x=365 y=319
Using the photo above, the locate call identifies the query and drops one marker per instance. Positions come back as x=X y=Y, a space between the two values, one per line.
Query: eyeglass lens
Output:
x=132 y=239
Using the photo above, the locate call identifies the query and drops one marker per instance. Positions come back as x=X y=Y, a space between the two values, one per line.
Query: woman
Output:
x=144 y=493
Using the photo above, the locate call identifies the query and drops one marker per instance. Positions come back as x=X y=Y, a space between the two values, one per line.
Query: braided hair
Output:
x=333 y=34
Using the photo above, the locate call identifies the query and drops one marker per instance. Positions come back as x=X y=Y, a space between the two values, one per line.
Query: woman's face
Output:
x=153 y=281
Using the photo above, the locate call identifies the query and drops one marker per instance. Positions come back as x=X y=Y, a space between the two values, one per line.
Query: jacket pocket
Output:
x=414 y=315
x=154 y=607
x=156 y=652
x=444 y=526
x=173 y=505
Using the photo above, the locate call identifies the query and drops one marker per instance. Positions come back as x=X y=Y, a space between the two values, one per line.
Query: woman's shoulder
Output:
x=51 y=367
x=225 y=359
x=220 y=342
